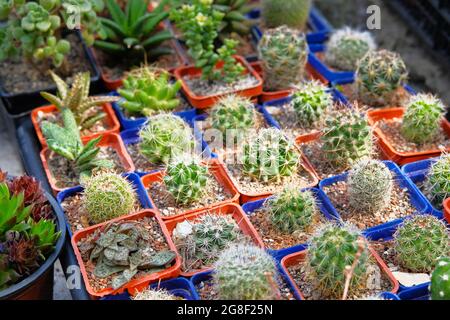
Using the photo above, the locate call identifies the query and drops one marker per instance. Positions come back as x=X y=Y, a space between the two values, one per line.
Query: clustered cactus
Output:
x=378 y=77
x=155 y=295
x=245 y=272
x=269 y=156
x=292 y=210
x=310 y=102
x=420 y=242
x=107 y=196
x=370 y=185
x=440 y=280
x=438 y=182
x=283 y=53
x=293 y=13
x=422 y=120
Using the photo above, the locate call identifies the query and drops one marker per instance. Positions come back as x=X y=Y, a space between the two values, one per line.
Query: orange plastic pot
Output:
x=226 y=209
x=138 y=283
x=401 y=158
x=112 y=140
x=447 y=210
x=111 y=121
x=300 y=257
x=203 y=102
x=216 y=169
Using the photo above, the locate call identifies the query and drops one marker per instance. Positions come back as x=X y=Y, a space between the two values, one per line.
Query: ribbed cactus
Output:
x=310 y=101
x=293 y=13
x=440 y=280
x=438 y=182
x=245 y=272
x=346 y=47
x=347 y=138
x=331 y=250
x=370 y=184
x=107 y=196
x=165 y=136
x=269 y=155
x=283 y=53
x=420 y=242
x=292 y=210
x=422 y=120
x=379 y=75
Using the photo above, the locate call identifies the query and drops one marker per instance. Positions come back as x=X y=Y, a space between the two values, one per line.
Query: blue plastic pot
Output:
x=420 y=292
x=179 y=287
x=250 y=207
x=389 y=296
x=132 y=177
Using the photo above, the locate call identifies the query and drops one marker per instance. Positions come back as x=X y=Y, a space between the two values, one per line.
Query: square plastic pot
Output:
x=420 y=292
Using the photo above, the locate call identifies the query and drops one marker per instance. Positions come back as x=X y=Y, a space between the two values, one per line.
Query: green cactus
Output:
x=438 y=181
x=292 y=13
x=146 y=92
x=440 y=280
x=245 y=272
x=163 y=137
x=378 y=77
x=346 y=47
x=422 y=120
x=283 y=53
x=269 y=155
x=370 y=185
x=310 y=101
x=292 y=210
x=107 y=196
x=420 y=241
x=154 y=295
x=332 y=249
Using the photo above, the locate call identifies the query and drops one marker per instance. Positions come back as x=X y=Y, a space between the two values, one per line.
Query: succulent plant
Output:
x=155 y=295
x=422 y=120
x=283 y=53
x=165 y=136
x=13 y=210
x=370 y=185
x=310 y=101
x=378 y=77
x=107 y=196
x=292 y=13
x=269 y=155
x=440 y=280
x=331 y=250
x=346 y=47
x=234 y=20
x=245 y=272
x=438 y=182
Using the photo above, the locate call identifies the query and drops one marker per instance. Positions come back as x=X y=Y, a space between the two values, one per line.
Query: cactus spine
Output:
x=440 y=280
x=438 y=183
x=293 y=13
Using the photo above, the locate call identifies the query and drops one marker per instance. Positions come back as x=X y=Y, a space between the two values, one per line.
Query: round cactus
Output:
x=438 y=182
x=440 y=280
x=292 y=210
x=292 y=13
x=422 y=120
x=346 y=47
x=370 y=185
x=165 y=136
x=245 y=272
x=332 y=249
x=420 y=242
x=378 y=76
x=310 y=101
x=270 y=156
x=284 y=54
x=107 y=196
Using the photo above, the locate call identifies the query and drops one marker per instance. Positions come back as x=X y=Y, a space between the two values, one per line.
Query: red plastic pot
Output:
x=138 y=283
x=447 y=210
x=111 y=121
x=112 y=140
x=388 y=149
x=226 y=209
x=203 y=102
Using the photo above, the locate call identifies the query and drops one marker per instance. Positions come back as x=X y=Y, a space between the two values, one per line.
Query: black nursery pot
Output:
x=39 y=285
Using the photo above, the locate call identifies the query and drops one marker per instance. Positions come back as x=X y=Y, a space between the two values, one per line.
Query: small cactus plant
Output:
x=155 y=295
x=440 y=280
x=270 y=156
x=245 y=272
x=346 y=47
x=422 y=120
x=420 y=242
x=284 y=54
x=370 y=184
x=438 y=182
x=107 y=196
x=163 y=137
x=310 y=101
x=293 y=13
x=378 y=76
x=332 y=249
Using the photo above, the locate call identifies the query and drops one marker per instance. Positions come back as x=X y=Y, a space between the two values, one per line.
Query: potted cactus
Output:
x=291 y=13
x=439 y=287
